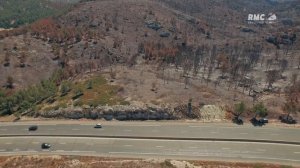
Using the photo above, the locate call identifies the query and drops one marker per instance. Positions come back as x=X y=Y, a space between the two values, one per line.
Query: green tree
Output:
x=239 y=109
x=89 y=85
x=65 y=89
x=260 y=110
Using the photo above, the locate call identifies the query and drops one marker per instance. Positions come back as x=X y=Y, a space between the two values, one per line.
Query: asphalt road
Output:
x=231 y=151
x=141 y=140
x=174 y=130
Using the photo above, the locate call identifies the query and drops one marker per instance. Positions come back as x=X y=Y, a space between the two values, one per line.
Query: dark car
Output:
x=33 y=128
x=98 y=125
x=238 y=120
x=287 y=119
x=259 y=122
x=263 y=120
x=45 y=146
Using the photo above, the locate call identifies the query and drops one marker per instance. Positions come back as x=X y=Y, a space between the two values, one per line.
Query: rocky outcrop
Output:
x=118 y=112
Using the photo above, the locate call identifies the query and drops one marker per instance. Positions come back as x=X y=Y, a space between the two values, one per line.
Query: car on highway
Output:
x=259 y=122
x=238 y=120
x=33 y=128
x=287 y=119
x=45 y=146
x=263 y=120
x=98 y=125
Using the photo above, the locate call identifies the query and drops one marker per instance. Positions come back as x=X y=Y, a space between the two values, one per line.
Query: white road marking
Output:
x=16 y=149
x=81 y=151
x=75 y=129
x=193 y=147
x=2 y=150
x=62 y=143
x=31 y=150
x=274 y=134
x=159 y=146
x=195 y=126
x=3 y=129
x=127 y=130
x=261 y=150
x=197 y=155
x=244 y=133
x=59 y=150
x=147 y=126
x=213 y=132
x=127 y=145
x=35 y=142
x=225 y=148
x=8 y=143
x=297 y=152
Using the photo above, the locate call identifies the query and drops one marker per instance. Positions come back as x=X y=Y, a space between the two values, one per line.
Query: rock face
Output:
x=118 y=112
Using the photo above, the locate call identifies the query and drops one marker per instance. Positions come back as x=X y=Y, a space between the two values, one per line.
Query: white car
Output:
x=98 y=125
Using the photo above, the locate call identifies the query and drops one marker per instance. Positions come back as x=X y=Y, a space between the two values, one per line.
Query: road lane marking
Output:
x=2 y=150
x=62 y=143
x=127 y=130
x=198 y=155
x=31 y=150
x=89 y=144
x=274 y=134
x=297 y=152
x=244 y=133
x=35 y=142
x=75 y=151
x=193 y=147
x=8 y=143
x=3 y=129
x=213 y=132
x=146 y=126
x=225 y=148
x=159 y=146
x=75 y=129
x=60 y=150
x=16 y=149
x=128 y=145
x=195 y=126
x=261 y=150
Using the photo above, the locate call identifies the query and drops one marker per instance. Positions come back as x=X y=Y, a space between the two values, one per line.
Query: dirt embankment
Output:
x=98 y=162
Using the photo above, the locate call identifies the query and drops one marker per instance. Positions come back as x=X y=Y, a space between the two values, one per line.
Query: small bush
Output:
x=65 y=89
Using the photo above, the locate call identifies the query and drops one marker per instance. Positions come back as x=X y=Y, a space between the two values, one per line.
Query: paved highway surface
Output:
x=149 y=146
x=233 y=151
x=174 y=130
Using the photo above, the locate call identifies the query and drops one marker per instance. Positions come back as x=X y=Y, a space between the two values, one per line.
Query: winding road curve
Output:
x=155 y=140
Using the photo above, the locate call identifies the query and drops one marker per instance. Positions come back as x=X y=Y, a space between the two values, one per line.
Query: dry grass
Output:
x=99 y=162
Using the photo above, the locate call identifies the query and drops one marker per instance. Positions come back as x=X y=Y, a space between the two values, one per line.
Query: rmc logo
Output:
x=262 y=18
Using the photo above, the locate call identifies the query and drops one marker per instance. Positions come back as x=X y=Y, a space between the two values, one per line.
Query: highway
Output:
x=157 y=129
x=156 y=139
